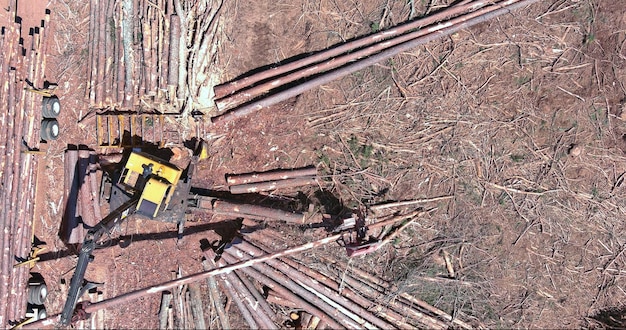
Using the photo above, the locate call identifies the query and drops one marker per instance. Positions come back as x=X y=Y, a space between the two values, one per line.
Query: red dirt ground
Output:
x=487 y=116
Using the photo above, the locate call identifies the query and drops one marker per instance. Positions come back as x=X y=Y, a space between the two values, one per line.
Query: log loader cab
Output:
x=154 y=179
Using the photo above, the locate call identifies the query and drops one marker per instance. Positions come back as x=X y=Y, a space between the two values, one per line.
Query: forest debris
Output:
x=448 y=261
x=575 y=150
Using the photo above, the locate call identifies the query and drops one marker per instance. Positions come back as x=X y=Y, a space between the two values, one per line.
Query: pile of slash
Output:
x=22 y=63
x=285 y=292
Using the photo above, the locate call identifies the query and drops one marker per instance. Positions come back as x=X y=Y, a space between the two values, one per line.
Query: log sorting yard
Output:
x=444 y=164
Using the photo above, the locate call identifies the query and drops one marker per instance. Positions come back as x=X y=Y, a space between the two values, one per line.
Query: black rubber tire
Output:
x=36 y=312
x=50 y=107
x=42 y=314
x=50 y=129
x=37 y=294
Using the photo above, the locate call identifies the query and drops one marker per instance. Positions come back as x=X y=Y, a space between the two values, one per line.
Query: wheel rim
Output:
x=55 y=129
x=44 y=292
x=56 y=107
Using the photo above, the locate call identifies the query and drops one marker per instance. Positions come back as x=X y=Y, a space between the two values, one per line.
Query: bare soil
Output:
x=520 y=120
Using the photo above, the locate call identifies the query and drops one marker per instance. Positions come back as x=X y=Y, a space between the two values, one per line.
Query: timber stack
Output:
x=331 y=298
x=139 y=55
x=130 y=58
x=22 y=67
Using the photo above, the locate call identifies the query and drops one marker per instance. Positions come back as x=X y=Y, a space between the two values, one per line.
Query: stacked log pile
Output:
x=81 y=195
x=129 y=51
x=140 y=52
x=324 y=300
x=22 y=64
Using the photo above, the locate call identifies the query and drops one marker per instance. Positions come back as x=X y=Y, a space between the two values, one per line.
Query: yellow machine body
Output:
x=154 y=178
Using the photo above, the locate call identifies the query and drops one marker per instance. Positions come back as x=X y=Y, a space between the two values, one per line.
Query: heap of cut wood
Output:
x=140 y=53
x=82 y=206
x=22 y=60
x=121 y=38
x=317 y=300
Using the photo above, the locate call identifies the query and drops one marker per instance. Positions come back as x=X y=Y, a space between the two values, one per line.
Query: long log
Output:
x=101 y=55
x=250 y=93
x=127 y=19
x=35 y=63
x=87 y=212
x=4 y=116
x=137 y=53
x=249 y=188
x=154 y=39
x=237 y=179
x=174 y=58
x=227 y=208
x=231 y=87
x=21 y=236
x=91 y=64
x=9 y=175
x=23 y=252
x=163 y=50
x=16 y=194
x=120 y=68
x=109 y=52
x=215 y=296
x=437 y=33
x=183 y=15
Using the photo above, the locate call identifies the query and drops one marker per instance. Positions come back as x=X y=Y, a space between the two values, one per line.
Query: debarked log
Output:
x=271 y=185
x=237 y=179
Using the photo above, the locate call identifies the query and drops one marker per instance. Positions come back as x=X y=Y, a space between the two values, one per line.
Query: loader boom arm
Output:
x=93 y=235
